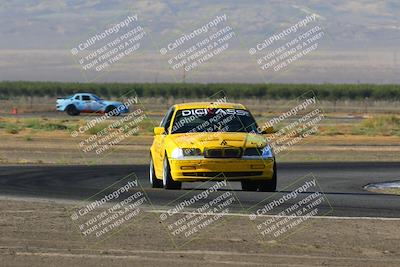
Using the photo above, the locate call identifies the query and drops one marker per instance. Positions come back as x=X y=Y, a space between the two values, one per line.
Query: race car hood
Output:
x=107 y=103
x=218 y=139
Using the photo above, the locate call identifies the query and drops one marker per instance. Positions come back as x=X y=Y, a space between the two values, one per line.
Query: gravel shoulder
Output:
x=41 y=233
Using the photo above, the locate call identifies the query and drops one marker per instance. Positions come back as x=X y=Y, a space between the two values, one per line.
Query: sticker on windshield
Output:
x=205 y=111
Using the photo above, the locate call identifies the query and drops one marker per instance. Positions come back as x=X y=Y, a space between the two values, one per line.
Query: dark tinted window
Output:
x=86 y=98
x=213 y=120
x=166 y=122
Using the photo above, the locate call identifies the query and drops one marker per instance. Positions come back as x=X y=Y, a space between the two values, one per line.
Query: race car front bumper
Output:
x=186 y=170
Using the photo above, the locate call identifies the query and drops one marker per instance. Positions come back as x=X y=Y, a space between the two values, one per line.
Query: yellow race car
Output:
x=219 y=141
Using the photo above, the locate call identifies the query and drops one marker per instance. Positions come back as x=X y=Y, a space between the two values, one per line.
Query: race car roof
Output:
x=191 y=105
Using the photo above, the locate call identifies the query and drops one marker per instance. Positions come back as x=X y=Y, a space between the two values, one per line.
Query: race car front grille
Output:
x=225 y=174
x=223 y=153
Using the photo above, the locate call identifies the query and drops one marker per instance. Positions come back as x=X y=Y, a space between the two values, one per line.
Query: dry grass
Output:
x=42 y=140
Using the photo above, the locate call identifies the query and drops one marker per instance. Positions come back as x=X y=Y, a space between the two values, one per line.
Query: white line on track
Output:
x=310 y=217
x=74 y=202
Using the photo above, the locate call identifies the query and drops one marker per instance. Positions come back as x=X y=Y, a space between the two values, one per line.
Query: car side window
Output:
x=85 y=97
x=167 y=119
x=77 y=97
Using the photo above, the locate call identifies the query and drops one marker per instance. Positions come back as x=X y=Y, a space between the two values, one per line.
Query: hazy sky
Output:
x=122 y=41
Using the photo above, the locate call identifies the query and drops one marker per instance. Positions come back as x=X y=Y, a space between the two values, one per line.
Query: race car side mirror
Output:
x=159 y=130
x=268 y=130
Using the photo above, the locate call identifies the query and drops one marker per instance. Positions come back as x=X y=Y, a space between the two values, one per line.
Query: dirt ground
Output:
x=41 y=233
x=61 y=148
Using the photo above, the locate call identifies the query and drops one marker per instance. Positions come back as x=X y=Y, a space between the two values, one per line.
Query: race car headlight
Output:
x=178 y=153
x=187 y=152
x=264 y=152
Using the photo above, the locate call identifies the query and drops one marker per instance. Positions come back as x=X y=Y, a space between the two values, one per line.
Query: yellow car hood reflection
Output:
x=217 y=139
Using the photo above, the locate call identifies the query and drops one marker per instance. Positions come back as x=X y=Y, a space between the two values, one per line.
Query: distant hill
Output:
x=36 y=37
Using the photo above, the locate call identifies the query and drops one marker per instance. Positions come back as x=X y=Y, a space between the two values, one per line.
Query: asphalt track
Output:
x=340 y=182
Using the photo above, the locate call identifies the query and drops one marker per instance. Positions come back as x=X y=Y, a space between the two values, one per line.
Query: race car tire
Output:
x=249 y=185
x=155 y=183
x=72 y=110
x=110 y=109
x=168 y=182
x=269 y=185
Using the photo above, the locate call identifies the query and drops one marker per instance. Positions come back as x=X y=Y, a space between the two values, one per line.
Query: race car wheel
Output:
x=269 y=185
x=168 y=182
x=110 y=109
x=249 y=185
x=72 y=110
x=155 y=183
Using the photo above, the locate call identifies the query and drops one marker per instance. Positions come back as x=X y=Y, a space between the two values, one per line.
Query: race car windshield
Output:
x=213 y=120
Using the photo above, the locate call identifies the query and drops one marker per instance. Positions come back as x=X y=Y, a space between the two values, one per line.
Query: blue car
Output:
x=89 y=103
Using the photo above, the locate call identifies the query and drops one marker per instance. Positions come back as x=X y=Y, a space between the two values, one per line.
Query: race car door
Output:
x=159 y=147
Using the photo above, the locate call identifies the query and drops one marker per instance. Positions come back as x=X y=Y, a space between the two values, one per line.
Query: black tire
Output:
x=269 y=185
x=168 y=182
x=249 y=185
x=110 y=109
x=72 y=110
x=155 y=183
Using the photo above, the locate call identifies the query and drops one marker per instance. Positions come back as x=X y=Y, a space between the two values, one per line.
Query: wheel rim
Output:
x=164 y=177
x=72 y=110
x=151 y=172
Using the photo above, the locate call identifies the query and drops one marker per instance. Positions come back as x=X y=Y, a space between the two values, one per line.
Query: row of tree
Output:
x=9 y=89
